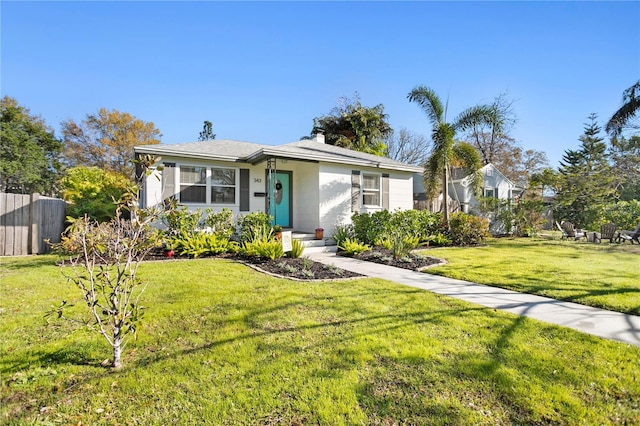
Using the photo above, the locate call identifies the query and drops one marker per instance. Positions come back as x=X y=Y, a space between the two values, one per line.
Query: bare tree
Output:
x=408 y=147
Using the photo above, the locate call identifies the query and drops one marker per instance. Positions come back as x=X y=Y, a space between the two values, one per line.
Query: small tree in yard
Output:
x=104 y=266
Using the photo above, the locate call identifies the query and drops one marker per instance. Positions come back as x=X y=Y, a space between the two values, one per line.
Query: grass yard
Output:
x=224 y=344
x=601 y=275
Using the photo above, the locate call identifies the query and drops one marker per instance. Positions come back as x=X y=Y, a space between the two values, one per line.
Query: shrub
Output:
x=255 y=226
x=93 y=192
x=367 y=227
x=625 y=214
x=297 y=248
x=343 y=232
x=439 y=239
x=221 y=223
x=467 y=229
x=179 y=219
x=353 y=247
x=264 y=249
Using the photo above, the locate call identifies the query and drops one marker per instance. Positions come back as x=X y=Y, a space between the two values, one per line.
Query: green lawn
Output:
x=601 y=275
x=224 y=344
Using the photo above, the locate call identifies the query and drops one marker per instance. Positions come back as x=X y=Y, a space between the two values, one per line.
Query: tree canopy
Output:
x=408 y=147
x=585 y=179
x=106 y=140
x=29 y=151
x=93 y=191
x=354 y=126
x=207 y=132
x=491 y=139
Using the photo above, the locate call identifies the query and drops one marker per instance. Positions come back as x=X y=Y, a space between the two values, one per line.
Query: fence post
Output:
x=34 y=227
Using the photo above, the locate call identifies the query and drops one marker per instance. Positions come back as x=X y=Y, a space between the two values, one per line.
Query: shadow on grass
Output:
x=27 y=262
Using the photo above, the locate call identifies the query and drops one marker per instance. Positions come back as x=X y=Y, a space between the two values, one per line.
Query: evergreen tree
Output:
x=585 y=182
x=207 y=132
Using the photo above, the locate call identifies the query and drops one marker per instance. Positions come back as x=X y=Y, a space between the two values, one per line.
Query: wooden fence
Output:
x=26 y=221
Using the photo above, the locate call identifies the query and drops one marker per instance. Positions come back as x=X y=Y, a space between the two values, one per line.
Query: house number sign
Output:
x=257 y=180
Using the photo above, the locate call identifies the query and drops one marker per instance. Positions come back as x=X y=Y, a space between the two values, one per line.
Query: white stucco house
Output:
x=304 y=185
x=494 y=184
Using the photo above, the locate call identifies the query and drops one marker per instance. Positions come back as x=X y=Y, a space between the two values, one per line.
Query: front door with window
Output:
x=279 y=192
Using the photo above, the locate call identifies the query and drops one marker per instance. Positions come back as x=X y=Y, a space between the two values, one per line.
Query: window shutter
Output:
x=168 y=180
x=355 y=190
x=385 y=191
x=244 y=190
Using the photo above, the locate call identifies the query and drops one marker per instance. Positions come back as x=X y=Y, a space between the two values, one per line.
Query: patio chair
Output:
x=630 y=236
x=571 y=232
x=608 y=232
x=564 y=233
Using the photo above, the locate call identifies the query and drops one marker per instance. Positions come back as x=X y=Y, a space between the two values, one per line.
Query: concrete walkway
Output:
x=599 y=322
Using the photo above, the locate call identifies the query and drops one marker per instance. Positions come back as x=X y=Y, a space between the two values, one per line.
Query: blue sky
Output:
x=261 y=71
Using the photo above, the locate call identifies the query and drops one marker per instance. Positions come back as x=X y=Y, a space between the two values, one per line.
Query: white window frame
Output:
x=493 y=193
x=208 y=184
x=364 y=190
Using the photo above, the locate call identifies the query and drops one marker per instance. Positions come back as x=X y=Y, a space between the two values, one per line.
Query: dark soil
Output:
x=298 y=269
x=413 y=262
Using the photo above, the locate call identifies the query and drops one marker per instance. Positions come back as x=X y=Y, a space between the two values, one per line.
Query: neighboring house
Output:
x=303 y=185
x=494 y=184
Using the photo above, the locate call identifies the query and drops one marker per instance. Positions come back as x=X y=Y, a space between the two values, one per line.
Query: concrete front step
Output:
x=309 y=240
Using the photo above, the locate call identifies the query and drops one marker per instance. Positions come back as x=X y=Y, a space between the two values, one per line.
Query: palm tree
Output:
x=630 y=105
x=446 y=151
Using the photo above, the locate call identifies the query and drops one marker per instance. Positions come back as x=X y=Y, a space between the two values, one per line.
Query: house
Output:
x=494 y=184
x=303 y=185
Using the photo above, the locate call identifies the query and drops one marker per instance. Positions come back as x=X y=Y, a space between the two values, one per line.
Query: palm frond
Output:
x=478 y=115
x=431 y=176
x=428 y=101
x=468 y=158
x=630 y=105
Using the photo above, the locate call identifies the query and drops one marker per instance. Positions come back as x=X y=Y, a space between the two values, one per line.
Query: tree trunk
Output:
x=117 y=351
x=445 y=197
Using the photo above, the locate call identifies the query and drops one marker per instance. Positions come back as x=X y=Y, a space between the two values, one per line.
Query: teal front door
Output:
x=279 y=201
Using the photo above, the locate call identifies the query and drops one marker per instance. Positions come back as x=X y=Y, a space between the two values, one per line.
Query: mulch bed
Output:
x=413 y=262
x=300 y=269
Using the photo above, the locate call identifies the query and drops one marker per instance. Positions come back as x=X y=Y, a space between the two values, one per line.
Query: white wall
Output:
x=400 y=191
x=335 y=196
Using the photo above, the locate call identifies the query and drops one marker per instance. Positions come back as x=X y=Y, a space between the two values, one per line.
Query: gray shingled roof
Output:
x=307 y=150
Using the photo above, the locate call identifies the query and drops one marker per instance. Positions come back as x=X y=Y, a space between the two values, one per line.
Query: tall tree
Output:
x=445 y=152
x=491 y=139
x=29 y=151
x=625 y=114
x=106 y=140
x=407 y=147
x=207 y=132
x=585 y=181
x=354 y=126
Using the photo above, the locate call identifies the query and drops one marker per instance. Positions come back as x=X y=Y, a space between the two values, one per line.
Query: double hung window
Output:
x=193 y=184
x=370 y=189
x=223 y=186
